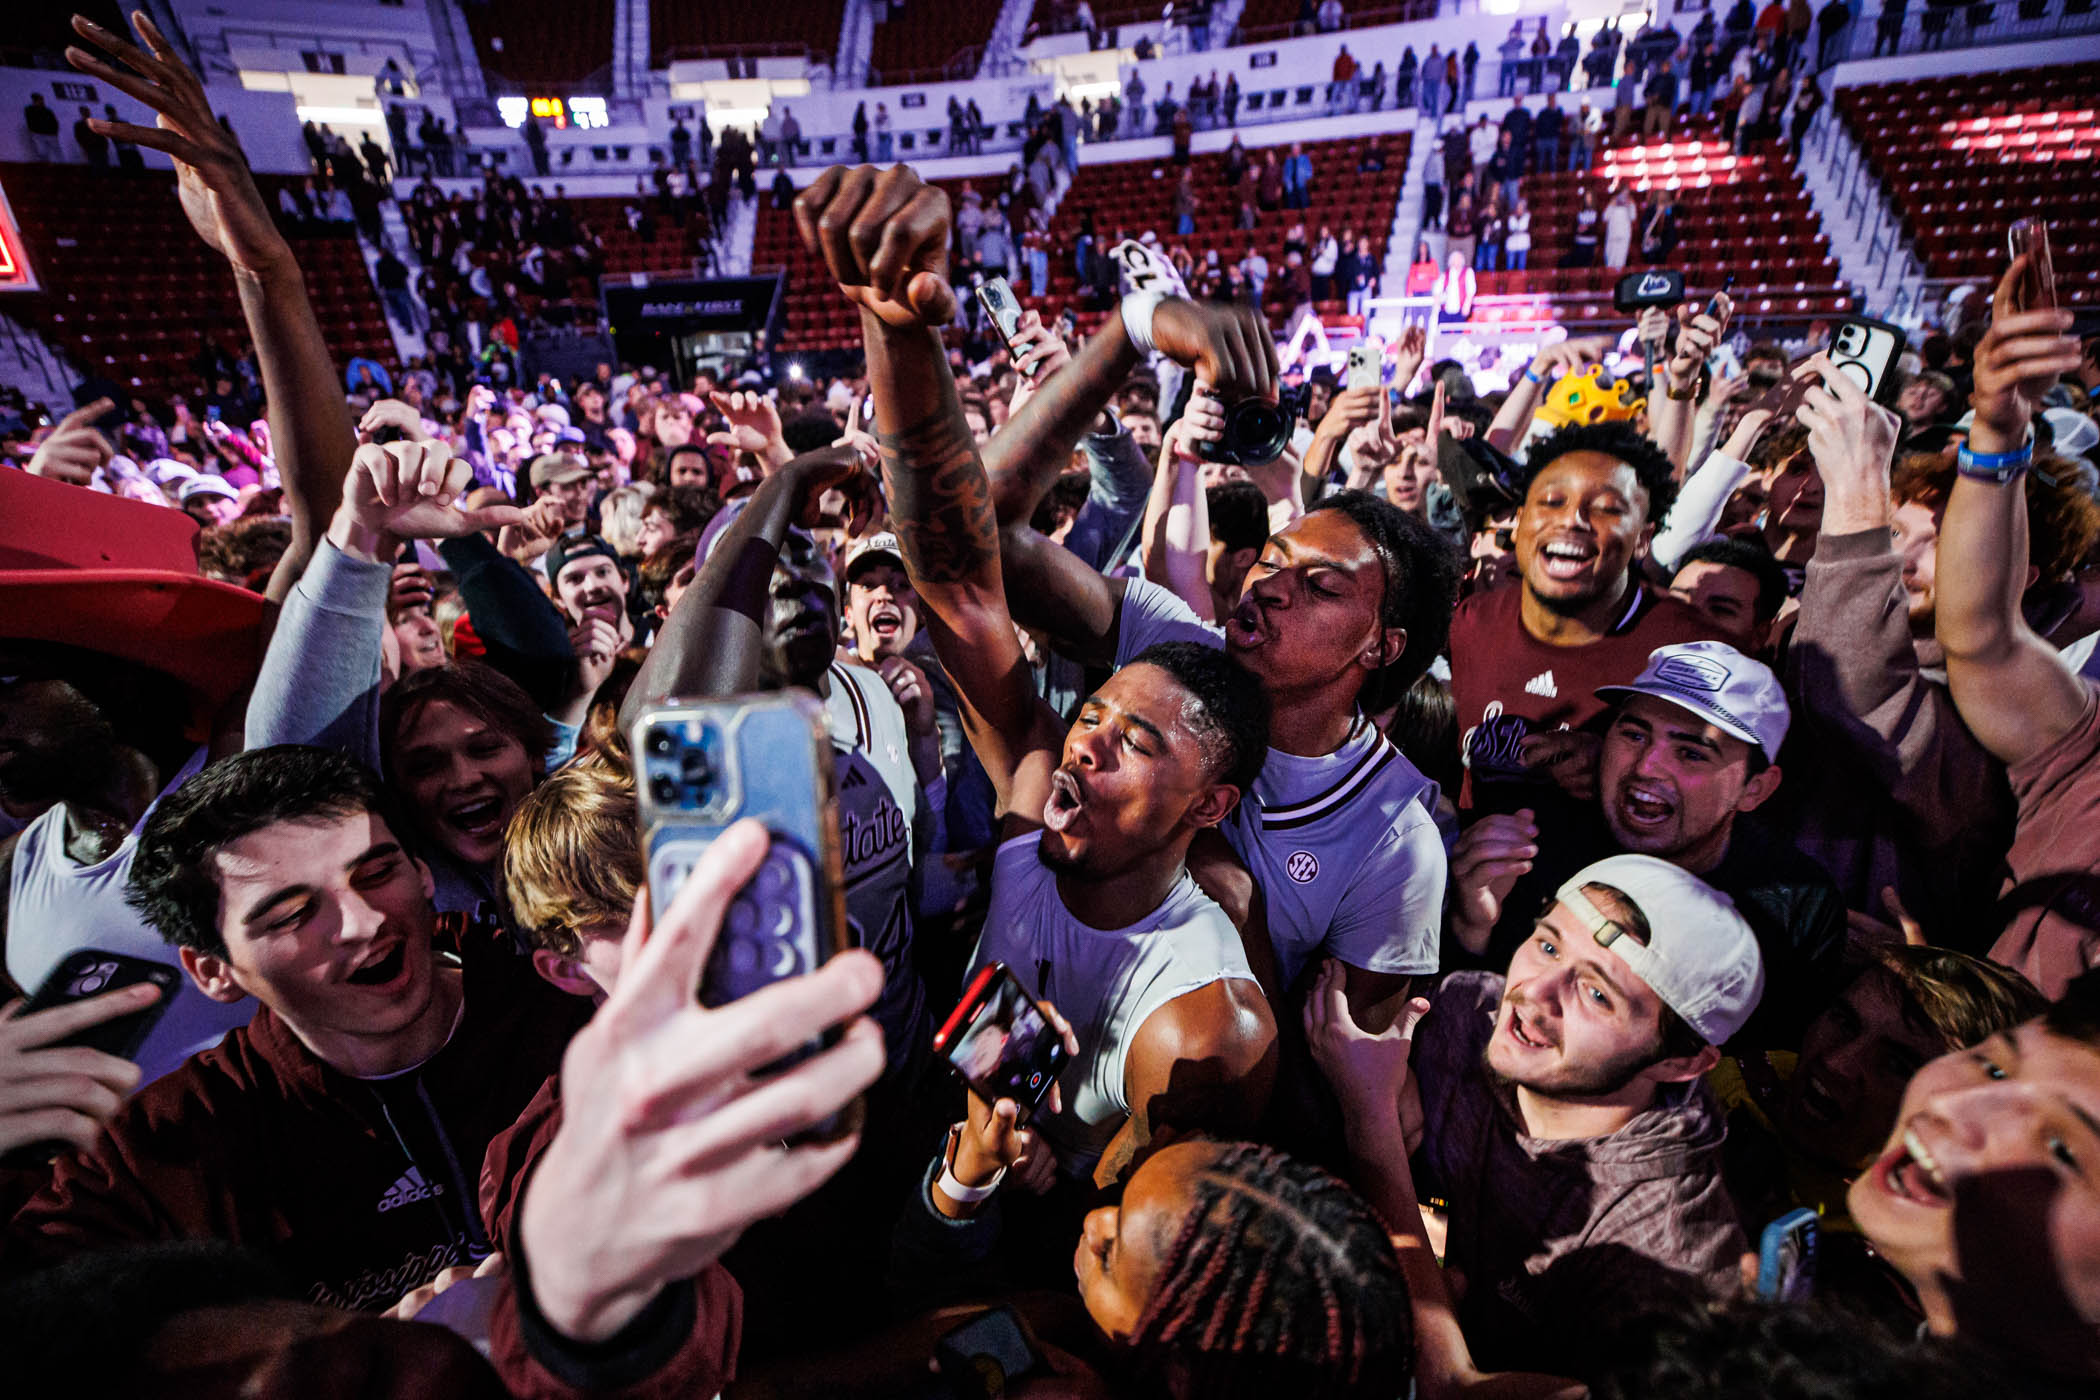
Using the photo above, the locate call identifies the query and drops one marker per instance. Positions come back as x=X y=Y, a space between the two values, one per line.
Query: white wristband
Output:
x=1137 y=318
x=968 y=1195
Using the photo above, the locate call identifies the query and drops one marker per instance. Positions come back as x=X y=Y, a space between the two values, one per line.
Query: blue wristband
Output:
x=1995 y=467
x=1533 y=376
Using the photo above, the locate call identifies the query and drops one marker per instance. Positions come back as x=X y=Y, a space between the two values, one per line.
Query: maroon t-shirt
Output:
x=2051 y=899
x=1507 y=683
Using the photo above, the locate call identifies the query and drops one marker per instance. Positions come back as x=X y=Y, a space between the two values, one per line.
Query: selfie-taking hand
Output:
x=2022 y=355
x=63 y=1093
x=884 y=236
x=671 y=1144
x=1853 y=442
x=75 y=449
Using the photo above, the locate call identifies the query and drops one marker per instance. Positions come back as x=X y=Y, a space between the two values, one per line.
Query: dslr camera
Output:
x=1257 y=431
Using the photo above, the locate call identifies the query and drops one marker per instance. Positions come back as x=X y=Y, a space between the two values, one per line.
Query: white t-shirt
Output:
x=1344 y=845
x=1106 y=982
x=56 y=906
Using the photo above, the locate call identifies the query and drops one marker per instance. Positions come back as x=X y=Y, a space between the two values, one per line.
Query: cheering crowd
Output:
x=1485 y=863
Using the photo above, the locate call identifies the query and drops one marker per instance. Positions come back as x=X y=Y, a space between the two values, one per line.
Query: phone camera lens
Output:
x=662 y=742
x=665 y=790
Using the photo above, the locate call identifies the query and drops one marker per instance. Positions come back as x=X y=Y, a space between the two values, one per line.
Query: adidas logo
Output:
x=1542 y=684
x=410 y=1188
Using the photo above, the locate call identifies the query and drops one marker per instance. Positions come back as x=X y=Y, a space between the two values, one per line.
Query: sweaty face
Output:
x=1987 y=1193
x=1122 y=1249
x=461 y=776
x=49 y=735
x=1917 y=532
x=882 y=610
x=1575 y=1022
x=1671 y=783
x=1310 y=606
x=1856 y=1059
x=1583 y=523
x=1726 y=597
x=593 y=586
x=1133 y=766
x=328 y=922
x=802 y=625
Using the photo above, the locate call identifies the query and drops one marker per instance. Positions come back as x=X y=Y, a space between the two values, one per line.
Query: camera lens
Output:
x=665 y=791
x=1256 y=431
x=662 y=742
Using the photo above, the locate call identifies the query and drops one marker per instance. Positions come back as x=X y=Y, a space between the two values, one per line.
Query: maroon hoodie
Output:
x=360 y=1190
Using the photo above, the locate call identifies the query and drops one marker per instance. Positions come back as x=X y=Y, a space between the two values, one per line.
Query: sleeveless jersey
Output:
x=1104 y=981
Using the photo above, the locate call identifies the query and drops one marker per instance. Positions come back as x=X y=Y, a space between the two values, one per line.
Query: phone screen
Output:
x=1786 y=1258
x=2037 y=290
x=1001 y=1043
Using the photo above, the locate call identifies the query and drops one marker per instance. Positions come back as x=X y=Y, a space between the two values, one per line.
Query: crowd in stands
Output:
x=1531 y=884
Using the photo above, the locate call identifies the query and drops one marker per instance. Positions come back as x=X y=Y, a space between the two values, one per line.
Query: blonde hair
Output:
x=620 y=518
x=572 y=858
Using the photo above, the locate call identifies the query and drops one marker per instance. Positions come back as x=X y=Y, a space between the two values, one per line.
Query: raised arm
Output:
x=884 y=235
x=1227 y=347
x=310 y=427
x=1672 y=412
x=2015 y=691
x=1176 y=540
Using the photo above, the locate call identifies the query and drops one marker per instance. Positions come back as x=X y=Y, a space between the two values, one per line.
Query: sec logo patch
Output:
x=1303 y=866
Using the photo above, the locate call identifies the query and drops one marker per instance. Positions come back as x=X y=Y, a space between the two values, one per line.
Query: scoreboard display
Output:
x=15 y=275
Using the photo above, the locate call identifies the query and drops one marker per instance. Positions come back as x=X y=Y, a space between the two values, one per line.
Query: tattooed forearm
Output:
x=940 y=500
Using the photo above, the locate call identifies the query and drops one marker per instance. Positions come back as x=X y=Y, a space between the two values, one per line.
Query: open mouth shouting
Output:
x=382 y=970
x=1567 y=557
x=1645 y=806
x=1529 y=1037
x=1245 y=627
x=1910 y=1173
x=1067 y=801
x=885 y=621
x=478 y=818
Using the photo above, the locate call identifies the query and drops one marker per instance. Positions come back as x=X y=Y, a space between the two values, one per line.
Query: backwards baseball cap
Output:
x=876 y=547
x=1719 y=684
x=552 y=468
x=1700 y=958
x=569 y=548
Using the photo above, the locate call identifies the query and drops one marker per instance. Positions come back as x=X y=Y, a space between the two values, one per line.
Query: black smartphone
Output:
x=91 y=972
x=1000 y=1042
x=1866 y=351
x=984 y=1354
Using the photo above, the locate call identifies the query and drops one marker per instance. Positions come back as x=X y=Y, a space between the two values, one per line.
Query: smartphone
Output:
x=703 y=764
x=1713 y=303
x=91 y=972
x=1366 y=368
x=1786 y=1258
x=986 y=1352
x=2037 y=290
x=1000 y=1042
x=211 y=413
x=1866 y=351
x=1000 y=303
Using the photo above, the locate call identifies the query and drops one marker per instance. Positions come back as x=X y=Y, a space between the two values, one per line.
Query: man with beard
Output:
x=1527 y=661
x=591 y=586
x=1689 y=754
x=1093 y=907
x=1561 y=1111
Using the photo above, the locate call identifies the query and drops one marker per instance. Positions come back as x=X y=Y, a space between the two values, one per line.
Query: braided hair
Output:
x=1281 y=1282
